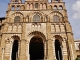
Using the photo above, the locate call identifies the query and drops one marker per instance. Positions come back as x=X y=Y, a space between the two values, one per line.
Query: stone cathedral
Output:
x=36 y=30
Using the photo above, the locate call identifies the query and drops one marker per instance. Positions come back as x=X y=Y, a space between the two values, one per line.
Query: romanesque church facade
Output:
x=36 y=30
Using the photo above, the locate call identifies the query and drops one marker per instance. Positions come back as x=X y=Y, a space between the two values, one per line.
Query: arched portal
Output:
x=36 y=48
x=15 y=50
x=58 y=50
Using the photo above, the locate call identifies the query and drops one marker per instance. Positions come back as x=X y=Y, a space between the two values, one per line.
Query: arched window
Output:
x=17 y=19
x=36 y=5
x=56 y=18
x=12 y=8
x=36 y=18
x=55 y=7
x=18 y=7
x=60 y=7
x=56 y=0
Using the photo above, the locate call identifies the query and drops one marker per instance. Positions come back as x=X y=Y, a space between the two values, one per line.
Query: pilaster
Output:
x=70 y=41
x=23 y=44
x=64 y=50
x=50 y=47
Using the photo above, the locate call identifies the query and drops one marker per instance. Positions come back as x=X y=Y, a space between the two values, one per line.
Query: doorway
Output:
x=58 y=50
x=15 y=50
x=36 y=48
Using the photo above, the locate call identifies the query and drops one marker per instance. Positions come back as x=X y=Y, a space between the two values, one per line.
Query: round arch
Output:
x=15 y=47
x=57 y=13
x=36 y=33
x=58 y=37
x=17 y=14
x=34 y=13
x=36 y=48
x=58 y=47
x=36 y=39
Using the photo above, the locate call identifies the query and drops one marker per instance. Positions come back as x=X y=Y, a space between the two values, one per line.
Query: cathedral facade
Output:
x=36 y=30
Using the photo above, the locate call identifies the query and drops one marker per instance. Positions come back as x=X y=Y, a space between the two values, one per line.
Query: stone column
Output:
x=23 y=43
x=3 y=49
x=27 y=50
x=45 y=50
x=54 y=48
x=70 y=41
x=23 y=50
x=3 y=41
x=49 y=43
x=11 y=43
x=3 y=44
x=64 y=50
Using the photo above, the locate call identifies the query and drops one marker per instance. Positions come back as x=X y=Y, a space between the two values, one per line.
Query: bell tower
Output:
x=36 y=30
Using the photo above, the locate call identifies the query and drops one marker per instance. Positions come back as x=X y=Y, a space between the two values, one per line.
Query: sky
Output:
x=73 y=11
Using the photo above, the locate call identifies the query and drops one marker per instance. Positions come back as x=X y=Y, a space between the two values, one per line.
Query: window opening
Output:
x=55 y=18
x=18 y=7
x=56 y=0
x=36 y=5
x=36 y=18
x=12 y=8
x=17 y=19
x=60 y=7
x=55 y=7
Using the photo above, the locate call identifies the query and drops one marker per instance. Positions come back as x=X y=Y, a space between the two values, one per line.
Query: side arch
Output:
x=58 y=47
x=10 y=41
x=15 y=47
x=58 y=37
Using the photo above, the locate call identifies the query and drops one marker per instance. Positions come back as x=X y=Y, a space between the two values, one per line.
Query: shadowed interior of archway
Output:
x=15 y=50
x=58 y=50
x=36 y=49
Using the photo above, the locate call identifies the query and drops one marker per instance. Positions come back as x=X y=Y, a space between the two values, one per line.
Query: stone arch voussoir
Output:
x=36 y=33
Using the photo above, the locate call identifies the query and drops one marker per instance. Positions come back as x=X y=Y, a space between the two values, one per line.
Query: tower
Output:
x=36 y=29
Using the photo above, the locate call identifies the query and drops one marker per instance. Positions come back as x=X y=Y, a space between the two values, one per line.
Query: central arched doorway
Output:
x=58 y=50
x=36 y=48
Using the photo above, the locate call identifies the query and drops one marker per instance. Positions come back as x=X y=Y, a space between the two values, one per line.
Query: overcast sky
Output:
x=73 y=10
